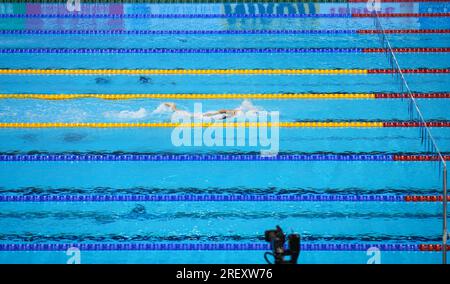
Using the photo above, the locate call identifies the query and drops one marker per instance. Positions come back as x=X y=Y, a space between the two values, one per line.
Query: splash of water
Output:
x=169 y=110
x=127 y=114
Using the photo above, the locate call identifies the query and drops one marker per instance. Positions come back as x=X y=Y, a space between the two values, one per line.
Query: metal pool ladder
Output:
x=425 y=130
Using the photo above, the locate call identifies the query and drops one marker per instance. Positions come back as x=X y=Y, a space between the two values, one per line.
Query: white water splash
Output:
x=169 y=110
x=127 y=114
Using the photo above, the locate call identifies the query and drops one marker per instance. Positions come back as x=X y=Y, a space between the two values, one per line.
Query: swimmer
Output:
x=222 y=113
x=145 y=80
x=171 y=106
x=218 y=115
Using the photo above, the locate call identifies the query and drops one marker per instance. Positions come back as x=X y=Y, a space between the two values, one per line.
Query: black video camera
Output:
x=277 y=238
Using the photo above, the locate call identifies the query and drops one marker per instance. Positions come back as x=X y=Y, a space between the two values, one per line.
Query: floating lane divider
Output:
x=222 y=198
x=186 y=71
x=407 y=50
x=308 y=124
x=406 y=31
x=216 y=157
x=217 y=1
x=218 y=32
x=216 y=50
x=235 y=246
x=280 y=96
x=393 y=15
x=217 y=71
x=425 y=198
x=209 y=16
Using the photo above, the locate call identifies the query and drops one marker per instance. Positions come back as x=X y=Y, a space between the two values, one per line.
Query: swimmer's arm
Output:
x=220 y=111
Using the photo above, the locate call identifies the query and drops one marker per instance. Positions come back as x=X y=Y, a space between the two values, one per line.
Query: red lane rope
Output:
x=410 y=71
x=425 y=198
x=410 y=31
x=398 y=1
x=408 y=49
x=417 y=96
x=416 y=124
x=393 y=15
x=419 y=158
x=430 y=247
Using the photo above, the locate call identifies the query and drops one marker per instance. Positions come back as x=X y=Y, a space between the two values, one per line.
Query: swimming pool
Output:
x=88 y=160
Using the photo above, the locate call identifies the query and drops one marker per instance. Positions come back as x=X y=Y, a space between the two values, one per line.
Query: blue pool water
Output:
x=333 y=230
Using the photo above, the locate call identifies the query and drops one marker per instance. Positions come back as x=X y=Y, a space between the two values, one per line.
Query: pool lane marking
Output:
x=180 y=71
x=187 y=96
x=382 y=1
x=317 y=124
x=183 y=50
x=202 y=96
x=212 y=16
x=305 y=124
x=394 y=15
x=99 y=157
x=407 y=50
x=218 y=71
x=44 y=50
x=218 y=32
x=406 y=31
x=222 y=198
x=215 y=1
x=216 y=246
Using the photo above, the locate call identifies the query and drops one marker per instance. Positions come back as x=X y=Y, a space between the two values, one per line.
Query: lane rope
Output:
x=210 y=96
x=213 y=16
x=215 y=1
x=219 y=32
x=186 y=71
x=191 y=157
x=140 y=246
x=406 y=31
x=306 y=124
x=172 y=32
x=407 y=50
x=43 y=50
x=219 y=71
x=182 y=50
x=187 y=96
x=425 y=198
x=216 y=157
x=222 y=198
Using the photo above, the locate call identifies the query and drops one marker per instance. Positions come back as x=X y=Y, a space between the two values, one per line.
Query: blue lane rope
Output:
x=172 y=16
x=199 y=246
x=177 y=50
x=191 y=157
x=203 y=198
x=173 y=32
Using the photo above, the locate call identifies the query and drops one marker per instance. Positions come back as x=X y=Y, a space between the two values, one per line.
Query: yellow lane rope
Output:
x=317 y=124
x=180 y=71
x=188 y=96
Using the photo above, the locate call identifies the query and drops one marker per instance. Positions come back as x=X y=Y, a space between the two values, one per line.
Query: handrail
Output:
x=426 y=133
